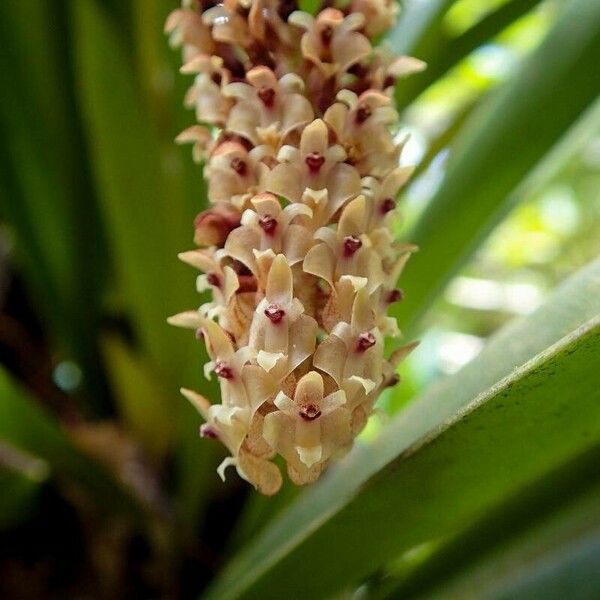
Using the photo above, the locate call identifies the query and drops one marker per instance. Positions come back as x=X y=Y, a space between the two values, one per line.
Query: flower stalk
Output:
x=296 y=129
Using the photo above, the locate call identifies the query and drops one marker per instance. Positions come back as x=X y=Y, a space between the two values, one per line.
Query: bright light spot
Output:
x=540 y=248
x=455 y=350
x=484 y=294
x=559 y=210
x=480 y=294
x=521 y=298
x=591 y=154
x=67 y=376
x=415 y=147
x=493 y=61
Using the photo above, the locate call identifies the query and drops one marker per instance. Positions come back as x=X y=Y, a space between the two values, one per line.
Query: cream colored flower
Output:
x=309 y=428
x=206 y=94
x=185 y=28
x=266 y=109
x=361 y=124
x=347 y=250
x=314 y=165
x=234 y=174
x=379 y=15
x=281 y=335
x=267 y=226
x=331 y=41
x=354 y=350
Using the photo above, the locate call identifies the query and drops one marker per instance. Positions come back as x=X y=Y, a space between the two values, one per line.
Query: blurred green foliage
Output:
x=106 y=490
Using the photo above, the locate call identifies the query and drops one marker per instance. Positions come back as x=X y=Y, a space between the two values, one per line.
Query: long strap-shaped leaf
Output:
x=148 y=211
x=28 y=427
x=501 y=144
x=147 y=221
x=44 y=186
x=442 y=52
x=459 y=449
x=554 y=560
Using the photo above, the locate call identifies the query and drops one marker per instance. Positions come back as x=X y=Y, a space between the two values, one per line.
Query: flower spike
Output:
x=295 y=128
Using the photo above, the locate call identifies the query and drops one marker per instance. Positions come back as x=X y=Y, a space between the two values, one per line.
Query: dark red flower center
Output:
x=213 y=279
x=315 y=161
x=365 y=341
x=394 y=296
x=239 y=166
x=267 y=96
x=274 y=313
x=310 y=412
x=267 y=223
x=393 y=380
x=363 y=113
x=387 y=205
x=389 y=81
x=326 y=35
x=223 y=370
x=208 y=431
x=351 y=245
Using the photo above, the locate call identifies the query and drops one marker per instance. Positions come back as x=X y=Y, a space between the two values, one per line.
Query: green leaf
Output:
x=21 y=477
x=500 y=145
x=557 y=559
x=149 y=201
x=416 y=574
x=29 y=428
x=143 y=404
x=18 y=498
x=310 y=6
x=448 y=52
x=45 y=185
x=147 y=221
x=417 y=26
x=456 y=452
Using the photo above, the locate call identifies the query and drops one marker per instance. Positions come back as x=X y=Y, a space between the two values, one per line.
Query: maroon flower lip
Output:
x=239 y=166
x=365 y=341
x=363 y=113
x=213 y=279
x=268 y=224
x=314 y=161
x=310 y=412
x=387 y=205
x=274 y=313
x=351 y=244
x=223 y=370
x=267 y=96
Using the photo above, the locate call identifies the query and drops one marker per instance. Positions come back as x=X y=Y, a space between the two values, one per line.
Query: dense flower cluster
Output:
x=296 y=131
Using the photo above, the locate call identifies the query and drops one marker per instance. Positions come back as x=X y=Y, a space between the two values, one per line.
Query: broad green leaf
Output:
x=555 y=560
x=500 y=145
x=146 y=225
x=142 y=402
x=21 y=477
x=149 y=211
x=457 y=451
x=417 y=26
x=29 y=428
x=196 y=461
x=448 y=52
x=46 y=193
x=416 y=574
x=18 y=497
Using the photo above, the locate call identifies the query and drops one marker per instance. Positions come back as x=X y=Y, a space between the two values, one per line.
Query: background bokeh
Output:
x=106 y=491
